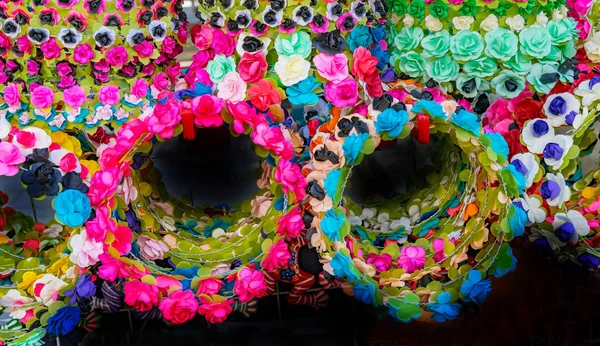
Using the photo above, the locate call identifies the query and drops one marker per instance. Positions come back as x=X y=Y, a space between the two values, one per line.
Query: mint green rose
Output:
x=482 y=67
x=535 y=41
x=466 y=45
x=219 y=66
x=562 y=31
x=412 y=63
x=508 y=84
x=543 y=77
x=469 y=86
x=501 y=44
x=444 y=69
x=436 y=45
x=519 y=64
x=554 y=57
x=298 y=43
x=569 y=50
x=408 y=38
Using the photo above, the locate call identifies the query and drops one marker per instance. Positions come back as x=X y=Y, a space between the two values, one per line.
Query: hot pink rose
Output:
x=412 y=258
x=272 y=138
x=145 y=49
x=166 y=283
x=104 y=184
x=24 y=44
x=117 y=56
x=141 y=296
x=334 y=68
x=215 y=312
x=42 y=97
x=165 y=118
x=438 y=248
x=160 y=81
x=291 y=224
x=32 y=67
x=168 y=45
x=148 y=70
x=139 y=88
x=278 y=256
x=74 y=96
x=203 y=37
x=83 y=54
x=207 y=111
x=98 y=227
x=342 y=94
x=109 y=95
x=222 y=43
x=66 y=82
x=12 y=95
x=209 y=286
x=250 y=284
x=252 y=67
x=65 y=69
x=381 y=262
x=10 y=158
x=69 y=163
x=243 y=113
x=152 y=249
x=179 y=307
x=291 y=178
x=51 y=49
x=122 y=239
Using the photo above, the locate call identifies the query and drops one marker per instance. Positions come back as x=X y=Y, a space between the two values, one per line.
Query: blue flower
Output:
x=391 y=121
x=342 y=267
x=64 y=320
x=72 y=208
x=188 y=274
x=444 y=310
x=432 y=108
x=332 y=182
x=474 y=289
x=84 y=288
x=519 y=177
x=41 y=179
x=302 y=93
x=383 y=58
x=500 y=272
x=378 y=32
x=353 y=146
x=364 y=291
x=467 y=121
x=359 y=37
x=589 y=261
x=332 y=224
x=498 y=143
x=517 y=221
x=202 y=89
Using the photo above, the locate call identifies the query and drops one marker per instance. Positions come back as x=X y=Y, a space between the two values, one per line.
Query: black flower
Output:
x=42 y=179
x=315 y=190
x=252 y=44
x=346 y=126
x=330 y=42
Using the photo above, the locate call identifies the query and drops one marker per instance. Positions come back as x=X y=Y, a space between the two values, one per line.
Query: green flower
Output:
x=502 y=8
x=398 y=7
x=444 y=69
x=569 y=50
x=562 y=31
x=519 y=64
x=482 y=67
x=413 y=64
x=469 y=8
x=436 y=45
x=439 y=9
x=543 y=77
x=298 y=43
x=468 y=85
x=219 y=66
x=408 y=38
x=535 y=41
x=508 y=84
x=466 y=45
x=524 y=11
x=555 y=56
x=501 y=44
x=416 y=9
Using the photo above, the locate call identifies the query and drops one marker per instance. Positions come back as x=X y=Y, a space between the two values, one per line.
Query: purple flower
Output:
x=565 y=232
x=519 y=166
x=570 y=118
x=540 y=128
x=84 y=288
x=589 y=261
x=550 y=189
x=595 y=80
x=553 y=150
x=558 y=106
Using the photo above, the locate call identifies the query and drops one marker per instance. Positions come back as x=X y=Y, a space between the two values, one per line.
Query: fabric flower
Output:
x=291 y=178
x=526 y=164
x=297 y=43
x=141 y=296
x=47 y=288
x=569 y=226
x=179 y=307
x=467 y=121
x=501 y=44
x=333 y=68
x=508 y=84
x=84 y=288
x=209 y=286
x=219 y=67
x=536 y=134
x=412 y=258
x=556 y=149
x=84 y=251
x=249 y=284
x=332 y=224
x=474 y=289
x=302 y=93
x=381 y=262
x=264 y=93
x=342 y=94
x=42 y=179
x=64 y=320
x=252 y=67
x=207 y=111
x=364 y=291
x=15 y=304
x=215 y=311
x=164 y=119
x=391 y=121
x=72 y=208
x=291 y=224
x=533 y=208
x=443 y=69
x=444 y=310
x=561 y=109
x=555 y=190
x=152 y=249
x=535 y=41
x=278 y=256
x=232 y=88
x=292 y=69
x=353 y=146
x=10 y=158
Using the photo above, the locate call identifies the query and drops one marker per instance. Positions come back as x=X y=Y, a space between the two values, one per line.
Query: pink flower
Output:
x=139 y=88
x=152 y=249
x=334 y=68
x=209 y=286
x=203 y=37
x=364 y=63
x=207 y=111
x=168 y=45
x=342 y=20
x=66 y=82
x=584 y=27
x=291 y=178
x=83 y=54
x=342 y=94
x=160 y=81
x=381 y=262
x=260 y=206
x=51 y=49
x=438 y=248
x=214 y=311
x=69 y=163
x=111 y=268
x=232 y=88
x=74 y=96
x=291 y=224
x=85 y=251
x=142 y=296
x=65 y=69
x=10 y=158
x=250 y=284
x=222 y=43
x=166 y=283
x=165 y=118
x=117 y=56
x=98 y=227
x=272 y=138
x=148 y=70
x=499 y=116
x=581 y=7
x=42 y=97
x=412 y=258
x=242 y=113
x=104 y=184
x=24 y=44
x=32 y=67
x=122 y=239
x=109 y=95
x=145 y=49
x=179 y=307
x=278 y=256
x=12 y=95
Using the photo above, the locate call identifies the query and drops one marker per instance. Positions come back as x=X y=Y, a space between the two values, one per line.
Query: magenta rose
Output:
x=381 y=262
x=209 y=286
x=117 y=56
x=12 y=95
x=222 y=43
x=179 y=307
x=42 y=97
x=342 y=94
x=66 y=82
x=145 y=49
x=64 y=69
x=83 y=53
x=109 y=95
x=142 y=296
x=51 y=49
x=168 y=45
x=24 y=44
x=74 y=96
x=139 y=88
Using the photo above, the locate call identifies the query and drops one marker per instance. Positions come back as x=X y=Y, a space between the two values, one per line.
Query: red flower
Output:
x=526 y=110
x=513 y=138
x=364 y=63
x=263 y=94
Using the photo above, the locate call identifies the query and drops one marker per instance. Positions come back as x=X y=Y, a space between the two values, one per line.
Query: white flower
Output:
x=433 y=24
x=561 y=109
x=592 y=47
x=53 y=231
x=292 y=69
x=402 y=222
x=536 y=133
x=127 y=191
x=408 y=21
x=557 y=15
x=555 y=190
x=354 y=220
x=533 y=208
x=368 y=213
x=42 y=140
x=414 y=213
x=330 y=15
x=589 y=90
x=5 y=127
x=541 y=19
x=516 y=23
x=462 y=22
x=85 y=251
x=232 y=87
x=50 y=287
x=553 y=147
x=528 y=163
x=489 y=23
x=12 y=302
x=572 y=219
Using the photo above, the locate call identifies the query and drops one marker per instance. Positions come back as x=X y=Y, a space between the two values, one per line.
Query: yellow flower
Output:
x=67 y=142
x=92 y=166
x=59 y=267
x=27 y=282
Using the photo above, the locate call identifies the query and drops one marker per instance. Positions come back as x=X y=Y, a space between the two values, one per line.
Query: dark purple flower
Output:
x=540 y=128
x=558 y=106
x=84 y=288
x=542 y=247
x=42 y=179
x=595 y=80
x=550 y=189
x=570 y=117
x=132 y=220
x=553 y=151
x=565 y=232
x=519 y=166
x=388 y=75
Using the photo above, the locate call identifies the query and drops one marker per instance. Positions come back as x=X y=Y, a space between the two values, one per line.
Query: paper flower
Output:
x=555 y=191
x=249 y=284
x=215 y=311
x=10 y=158
x=277 y=257
x=72 y=208
x=141 y=296
x=568 y=226
x=64 y=320
x=179 y=307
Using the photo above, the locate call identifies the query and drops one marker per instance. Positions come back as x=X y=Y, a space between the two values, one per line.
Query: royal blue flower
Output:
x=517 y=221
x=342 y=265
x=353 y=146
x=364 y=291
x=589 y=261
x=378 y=32
x=391 y=121
x=474 y=289
x=188 y=274
x=84 y=288
x=498 y=143
x=64 y=320
x=432 y=108
x=382 y=55
x=467 y=121
x=302 y=93
x=359 y=37
x=443 y=310
x=332 y=182
x=332 y=224
x=72 y=208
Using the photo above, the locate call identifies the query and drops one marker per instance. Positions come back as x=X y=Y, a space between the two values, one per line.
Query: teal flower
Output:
x=555 y=56
x=412 y=63
x=332 y=224
x=508 y=84
x=391 y=121
x=436 y=45
x=444 y=69
x=432 y=108
x=467 y=121
x=501 y=44
x=466 y=45
x=443 y=310
x=498 y=143
x=353 y=146
x=359 y=37
x=517 y=219
x=500 y=271
x=72 y=208
x=518 y=177
x=474 y=289
x=298 y=43
x=562 y=31
x=535 y=41
x=408 y=39
x=332 y=182
x=342 y=267
x=519 y=64
x=569 y=50
x=219 y=66
x=543 y=77
x=469 y=86
x=302 y=93
x=482 y=67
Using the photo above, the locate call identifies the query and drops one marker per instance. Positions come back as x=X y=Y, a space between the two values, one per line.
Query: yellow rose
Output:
x=489 y=23
x=67 y=142
x=59 y=267
x=408 y=21
x=292 y=69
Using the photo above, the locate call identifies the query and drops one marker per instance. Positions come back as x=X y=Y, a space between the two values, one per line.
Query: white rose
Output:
x=489 y=23
x=592 y=47
x=408 y=21
x=433 y=24
x=292 y=69
x=516 y=23
x=557 y=15
x=541 y=19
x=463 y=22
